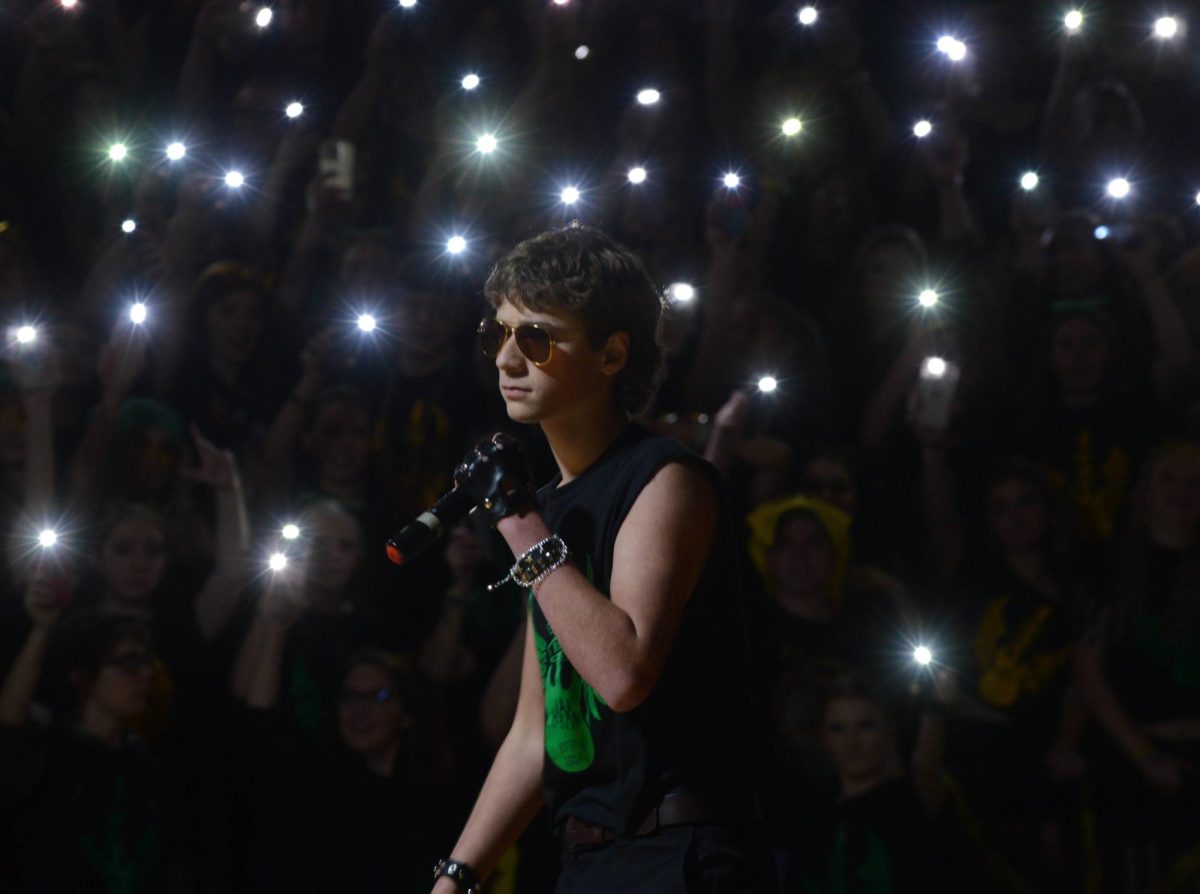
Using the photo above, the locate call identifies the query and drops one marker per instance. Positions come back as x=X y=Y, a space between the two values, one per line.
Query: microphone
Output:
x=430 y=526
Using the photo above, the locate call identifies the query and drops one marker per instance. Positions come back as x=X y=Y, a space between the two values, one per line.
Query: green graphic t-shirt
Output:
x=607 y=767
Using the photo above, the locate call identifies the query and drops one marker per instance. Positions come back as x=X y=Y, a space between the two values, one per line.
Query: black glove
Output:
x=497 y=475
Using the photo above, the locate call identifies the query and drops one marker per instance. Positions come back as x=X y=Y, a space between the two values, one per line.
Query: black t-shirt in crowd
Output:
x=694 y=730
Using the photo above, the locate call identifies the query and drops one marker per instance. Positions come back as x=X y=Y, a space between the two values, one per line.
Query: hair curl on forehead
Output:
x=583 y=272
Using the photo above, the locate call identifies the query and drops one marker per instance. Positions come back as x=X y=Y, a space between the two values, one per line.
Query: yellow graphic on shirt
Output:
x=1094 y=499
x=1010 y=666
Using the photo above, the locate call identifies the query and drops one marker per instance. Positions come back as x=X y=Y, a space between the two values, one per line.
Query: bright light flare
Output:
x=953 y=48
x=582 y=52
x=637 y=175
x=927 y=298
x=1073 y=20
x=923 y=656
x=1166 y=27
x=569 y=195
x=235 y=179
x=792 y=126
x=69 y=4
x=294 y=109
x=767 y=384
x=681 y=292
x=176 y=151
x=1118 y=187
x=470 y=82
x=277 y=562
x=1198 y=198
x=263 y=17
x=137 y=313
x=807 y=16
x=648 y=96
x=1029 y=180
x=366 y=323
x=934 y=367
x=456 y=245
x=290 y=531
x=1101 y=232
x=118 y=152
x=486 y=143
x=128 y=225
x=731 y=180
x=922 y=129
x=47 y=538
x=26 y=335
x=408 y=4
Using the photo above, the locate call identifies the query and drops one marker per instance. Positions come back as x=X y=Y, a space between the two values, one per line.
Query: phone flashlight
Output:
x=294 y=109
x=69 y=4
x=923 y=656
x=927 y=298
x=235 y=179
x=25 y=335
x=291 y=531
x=1166 y=27
x=128 y=225
x=366 y=323
x=137 y=313
x=569 y=195
x=935 y=367
x=637 y=175
x=263 y=17
x=952 y=47
x=408 y=4
x=1073 y=20
x=118 y=151
x=470 y=82
x=731 y=180
x=767 y=384
x=1118 y=187
x=456 y=245
x=681 y=292
x=582 y=52
x=486 y=143
x=1029 y=181
x=47 y=538
x=922 y=129
x=176 y=151
x=807 y=16
x=792 y=126
x=277 y=562
x=648 y=97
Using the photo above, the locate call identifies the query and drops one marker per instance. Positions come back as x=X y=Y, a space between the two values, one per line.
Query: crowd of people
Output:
x=951 y=382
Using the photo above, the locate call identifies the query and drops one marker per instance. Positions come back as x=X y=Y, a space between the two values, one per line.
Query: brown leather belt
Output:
x=675 y=809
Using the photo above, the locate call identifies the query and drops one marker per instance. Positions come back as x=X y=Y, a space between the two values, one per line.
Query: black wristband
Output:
x=462 y=874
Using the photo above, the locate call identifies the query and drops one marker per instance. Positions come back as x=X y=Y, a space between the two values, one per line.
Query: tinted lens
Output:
x=534 y=343
x=491 y=337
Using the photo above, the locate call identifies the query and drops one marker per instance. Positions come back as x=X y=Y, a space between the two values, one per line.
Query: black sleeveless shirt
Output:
x=694 y=730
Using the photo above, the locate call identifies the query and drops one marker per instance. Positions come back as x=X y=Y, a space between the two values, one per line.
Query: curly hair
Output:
x=582 y=271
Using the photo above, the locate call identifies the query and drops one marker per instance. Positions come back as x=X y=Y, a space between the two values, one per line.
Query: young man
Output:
x=632 y=725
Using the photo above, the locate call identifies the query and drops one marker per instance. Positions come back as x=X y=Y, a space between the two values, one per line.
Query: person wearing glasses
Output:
x=83 y=805
x=634 y=725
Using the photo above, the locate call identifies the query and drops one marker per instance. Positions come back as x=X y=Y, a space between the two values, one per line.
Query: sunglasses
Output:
x=532 y=340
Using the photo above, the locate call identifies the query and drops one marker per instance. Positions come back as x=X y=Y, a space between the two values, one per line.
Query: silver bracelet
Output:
x=536 y=563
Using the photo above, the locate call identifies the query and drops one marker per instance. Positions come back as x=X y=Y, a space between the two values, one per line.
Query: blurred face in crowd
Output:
x=1076 y=263
x=1017 y=514
x=255 y=123
x=1173 y=497
x=831 y=207
x=367 y=268
x=1079 y=357
x=371 y=713
x=153 y=459
x=304 y=23
x=234 y=325
x=121 y=688
x=429 y=323
x=827 y=478
x=339 y=441
x=132 y=560
x=12 y=430
x=856 y=738
x=334 y=541
x=802 y=559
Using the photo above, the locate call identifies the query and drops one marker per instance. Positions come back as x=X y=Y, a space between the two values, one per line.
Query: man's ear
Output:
x=615 y=353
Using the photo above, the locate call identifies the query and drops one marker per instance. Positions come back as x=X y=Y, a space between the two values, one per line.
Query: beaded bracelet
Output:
x=533 y=565
x=462 y=875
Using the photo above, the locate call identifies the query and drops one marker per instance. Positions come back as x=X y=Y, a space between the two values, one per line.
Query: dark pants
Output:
x=692 y=859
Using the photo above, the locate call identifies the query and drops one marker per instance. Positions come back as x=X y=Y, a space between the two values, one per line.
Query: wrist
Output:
x=462 y=875
x=523 y=530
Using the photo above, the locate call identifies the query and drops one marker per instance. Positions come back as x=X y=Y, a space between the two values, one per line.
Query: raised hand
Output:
x=497 y=475
x=215 y=467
